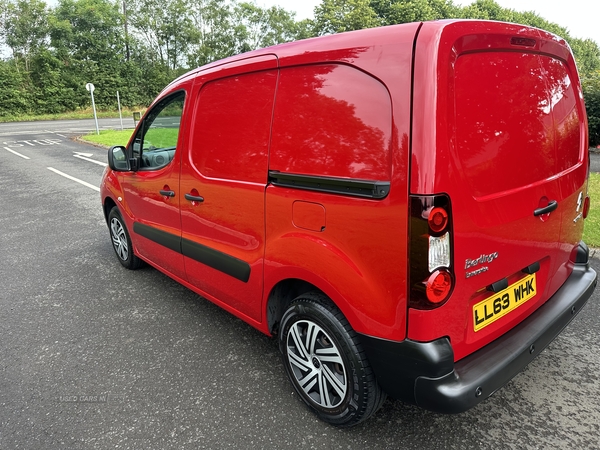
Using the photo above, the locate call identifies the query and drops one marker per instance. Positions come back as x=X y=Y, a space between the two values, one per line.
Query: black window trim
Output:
x=142 y=127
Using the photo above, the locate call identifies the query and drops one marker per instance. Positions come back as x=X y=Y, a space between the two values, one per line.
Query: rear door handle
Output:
x=167 y=193
x=193 y=198
x=546 y=209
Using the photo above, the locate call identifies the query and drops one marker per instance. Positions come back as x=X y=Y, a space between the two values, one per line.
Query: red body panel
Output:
x=342 y=106
x=502 y=133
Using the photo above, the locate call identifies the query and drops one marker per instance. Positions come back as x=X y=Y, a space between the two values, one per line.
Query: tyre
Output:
x=325 y=362
x=121 y=241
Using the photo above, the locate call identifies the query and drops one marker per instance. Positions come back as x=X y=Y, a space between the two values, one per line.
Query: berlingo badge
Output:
x=483 y=259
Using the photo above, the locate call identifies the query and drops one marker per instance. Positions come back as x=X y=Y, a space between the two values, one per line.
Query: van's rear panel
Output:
x=503 y=134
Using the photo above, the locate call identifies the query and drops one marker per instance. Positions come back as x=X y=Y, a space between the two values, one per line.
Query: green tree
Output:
x=405 y=11
x=3 y=17
x=223 y=29
x=166 y=28
x=587 y=55
x=88 y=39
x=25 y=26
x=262 y=27
x=336 y=16
x=215 y=34
x=486 y=10
x=88 y=30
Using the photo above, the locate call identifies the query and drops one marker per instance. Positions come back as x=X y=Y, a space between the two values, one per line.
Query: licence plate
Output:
x=502 y=303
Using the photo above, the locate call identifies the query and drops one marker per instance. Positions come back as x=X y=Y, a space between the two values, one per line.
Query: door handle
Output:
x=167 y=193
x=546 y=209
x=193 y=198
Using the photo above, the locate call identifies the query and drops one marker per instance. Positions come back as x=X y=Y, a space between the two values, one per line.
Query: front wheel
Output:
x=325 y=362
x=121 y=241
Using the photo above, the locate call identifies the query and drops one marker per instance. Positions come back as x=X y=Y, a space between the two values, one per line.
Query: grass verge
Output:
x=109 y=138
x=591 y=231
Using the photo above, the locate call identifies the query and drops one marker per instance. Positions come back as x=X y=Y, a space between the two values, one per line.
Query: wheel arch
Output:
x=280 y=297
x=109 y=204
x=283 y=293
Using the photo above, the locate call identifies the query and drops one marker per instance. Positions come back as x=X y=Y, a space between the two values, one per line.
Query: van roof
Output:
x=330 y=47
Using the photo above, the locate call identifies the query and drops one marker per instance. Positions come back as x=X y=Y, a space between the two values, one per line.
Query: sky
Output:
x=579 y=17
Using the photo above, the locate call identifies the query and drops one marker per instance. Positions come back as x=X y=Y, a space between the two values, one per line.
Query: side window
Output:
x=331 y=120
x=156 y=140
x=232 y=125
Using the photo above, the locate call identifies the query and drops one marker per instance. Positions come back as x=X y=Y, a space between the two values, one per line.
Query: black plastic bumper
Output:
x=425 y=374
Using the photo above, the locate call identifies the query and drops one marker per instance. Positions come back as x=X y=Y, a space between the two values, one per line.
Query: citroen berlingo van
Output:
x=402 y=207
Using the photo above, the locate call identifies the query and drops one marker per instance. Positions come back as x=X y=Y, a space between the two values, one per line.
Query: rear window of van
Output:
x=510 y=107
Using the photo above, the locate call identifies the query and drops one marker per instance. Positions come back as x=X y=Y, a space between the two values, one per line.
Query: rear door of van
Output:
x=507 y=146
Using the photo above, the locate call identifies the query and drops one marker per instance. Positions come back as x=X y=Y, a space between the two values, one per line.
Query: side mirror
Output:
x=117 y=159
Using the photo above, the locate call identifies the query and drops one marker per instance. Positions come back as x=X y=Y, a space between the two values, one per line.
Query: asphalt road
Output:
x=595 y=161
x=93 y=356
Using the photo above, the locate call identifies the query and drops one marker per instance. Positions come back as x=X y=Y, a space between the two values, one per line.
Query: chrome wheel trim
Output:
x=119 y=239
x=316 y=364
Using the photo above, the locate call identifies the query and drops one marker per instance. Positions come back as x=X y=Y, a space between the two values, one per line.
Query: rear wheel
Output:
x=121 y=240
x=325 y=362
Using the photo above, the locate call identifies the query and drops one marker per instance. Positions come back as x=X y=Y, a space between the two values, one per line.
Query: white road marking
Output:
x=16 y=153
x=100 y=163
x=47 y=141
x=55 y=132
x=62 y=174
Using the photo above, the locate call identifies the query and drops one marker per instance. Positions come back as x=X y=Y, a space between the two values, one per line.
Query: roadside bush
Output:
x=591 y=94
x=14 y=99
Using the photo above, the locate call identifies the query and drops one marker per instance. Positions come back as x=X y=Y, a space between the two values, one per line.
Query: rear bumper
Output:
x=425 y=374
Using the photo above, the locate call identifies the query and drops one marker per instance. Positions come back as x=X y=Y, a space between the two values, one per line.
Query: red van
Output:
x=402 y=207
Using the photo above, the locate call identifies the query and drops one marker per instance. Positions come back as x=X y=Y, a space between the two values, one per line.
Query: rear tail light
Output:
x=439 y=252
x=438 y=219
x=431 y=277
x=438 y=286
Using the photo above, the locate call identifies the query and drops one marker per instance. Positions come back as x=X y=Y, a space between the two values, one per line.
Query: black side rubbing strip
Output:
x=355 y=188
x=163 y=238
x=217 y=260
x=205 y=255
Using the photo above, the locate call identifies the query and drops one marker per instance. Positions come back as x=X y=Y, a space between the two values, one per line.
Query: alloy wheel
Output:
x=316 y=364
x=119 y=239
